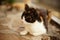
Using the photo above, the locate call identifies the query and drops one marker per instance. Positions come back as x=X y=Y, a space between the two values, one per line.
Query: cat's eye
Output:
x=28 y=11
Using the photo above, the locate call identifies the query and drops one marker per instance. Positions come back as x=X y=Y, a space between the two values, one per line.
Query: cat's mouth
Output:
x=30 y=20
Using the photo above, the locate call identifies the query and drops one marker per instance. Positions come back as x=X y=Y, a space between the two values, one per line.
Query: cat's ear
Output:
x=23 y=15
x=26 y=7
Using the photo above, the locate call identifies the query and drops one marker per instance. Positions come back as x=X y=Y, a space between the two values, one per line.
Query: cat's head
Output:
x=30 y=14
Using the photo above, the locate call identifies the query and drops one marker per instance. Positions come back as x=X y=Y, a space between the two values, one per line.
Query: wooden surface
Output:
x=8 y=34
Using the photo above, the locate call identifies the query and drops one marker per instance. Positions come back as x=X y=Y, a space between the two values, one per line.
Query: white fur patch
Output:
x=36 y=28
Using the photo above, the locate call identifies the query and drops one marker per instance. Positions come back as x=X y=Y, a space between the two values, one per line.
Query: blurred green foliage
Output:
x=6 y=1
x=10 y=1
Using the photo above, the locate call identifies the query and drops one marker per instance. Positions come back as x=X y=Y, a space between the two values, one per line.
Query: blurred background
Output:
x=10 y=8
x=49 y=4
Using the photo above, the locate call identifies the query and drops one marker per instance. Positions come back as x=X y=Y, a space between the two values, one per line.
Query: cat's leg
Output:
x=23 y=32
x=36 y=33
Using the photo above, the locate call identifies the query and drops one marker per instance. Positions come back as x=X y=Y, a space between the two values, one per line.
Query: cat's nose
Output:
x=30 y=19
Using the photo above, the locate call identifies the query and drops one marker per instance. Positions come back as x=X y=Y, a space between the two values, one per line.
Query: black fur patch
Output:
x=30 y=15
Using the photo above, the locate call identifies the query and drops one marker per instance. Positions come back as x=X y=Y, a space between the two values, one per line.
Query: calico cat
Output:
x=35 y=21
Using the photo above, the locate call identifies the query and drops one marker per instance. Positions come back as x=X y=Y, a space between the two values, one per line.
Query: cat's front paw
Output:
x=37 y=34
x=23 y=33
